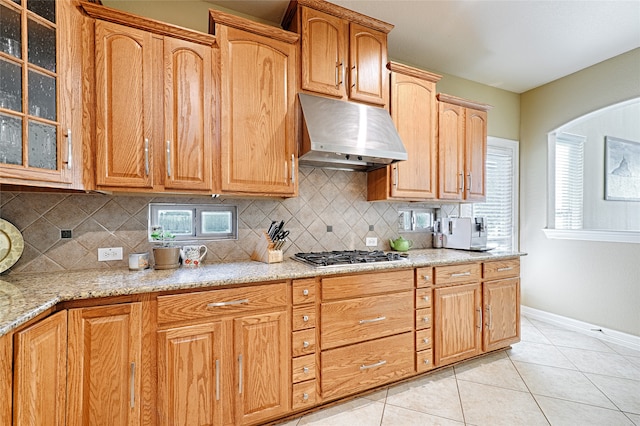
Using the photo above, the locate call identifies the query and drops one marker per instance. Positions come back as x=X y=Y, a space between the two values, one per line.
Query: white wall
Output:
x=595 y=282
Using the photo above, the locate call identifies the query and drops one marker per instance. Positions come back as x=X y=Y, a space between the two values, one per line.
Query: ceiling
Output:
x=515 y=45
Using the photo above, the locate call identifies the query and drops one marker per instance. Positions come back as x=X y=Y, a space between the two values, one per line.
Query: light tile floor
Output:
x=552 y=377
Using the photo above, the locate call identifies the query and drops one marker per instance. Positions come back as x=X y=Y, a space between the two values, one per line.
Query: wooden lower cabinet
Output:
x=457 y=323
x=40 y=373
x=501 y=306
x=230 y=371
x=362 y=366
x=104 y=365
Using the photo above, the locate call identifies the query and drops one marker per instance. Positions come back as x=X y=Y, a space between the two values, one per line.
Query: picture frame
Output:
x=622 y=169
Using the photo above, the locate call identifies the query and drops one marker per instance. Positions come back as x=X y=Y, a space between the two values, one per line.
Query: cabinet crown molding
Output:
x=223 y=18
x=413 y=72
x=135 y=21
x=442 y=97
x=335 y=10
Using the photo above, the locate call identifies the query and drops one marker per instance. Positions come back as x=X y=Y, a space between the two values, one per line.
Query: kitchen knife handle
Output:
x=132 y=381
x=69 y=150
x=146 y=156
x=293 y=168
x=169 y=158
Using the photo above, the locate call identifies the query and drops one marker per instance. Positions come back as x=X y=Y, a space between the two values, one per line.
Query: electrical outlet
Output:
x=111 y=253
x=372 y=242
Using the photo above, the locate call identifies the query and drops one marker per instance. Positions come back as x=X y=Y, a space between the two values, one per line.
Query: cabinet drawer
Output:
x=424 y=277
x=303 y=342
x=215 y=303
x=304 y=394
x=423 y=318
x=304 y=317
x=349 y=286
x=424 y=360
x=365 y=365
x=457 y=274
x=304 y=291
x=501 y=269
x=424 y=340
x=356 y=320
x=303 y=368
x=423 y=298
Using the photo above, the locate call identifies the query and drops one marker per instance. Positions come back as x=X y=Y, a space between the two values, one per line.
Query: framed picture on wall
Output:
x=622 y=169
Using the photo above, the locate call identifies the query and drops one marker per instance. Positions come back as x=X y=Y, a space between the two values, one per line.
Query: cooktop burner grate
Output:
x=347 y=257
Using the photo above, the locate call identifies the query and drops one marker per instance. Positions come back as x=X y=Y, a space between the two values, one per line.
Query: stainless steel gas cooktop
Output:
x=348 y=257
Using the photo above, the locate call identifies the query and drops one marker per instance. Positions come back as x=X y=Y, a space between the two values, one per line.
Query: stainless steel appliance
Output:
x=347 y=257
x=465 y=233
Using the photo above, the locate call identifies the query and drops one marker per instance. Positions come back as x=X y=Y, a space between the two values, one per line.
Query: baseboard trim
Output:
x=623 y=339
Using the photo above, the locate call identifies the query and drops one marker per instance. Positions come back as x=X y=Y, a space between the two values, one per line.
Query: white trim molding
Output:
x=632 y=237
x=623 y=339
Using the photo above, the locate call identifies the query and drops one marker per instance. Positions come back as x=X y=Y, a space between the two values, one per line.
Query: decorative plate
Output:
x=11 y=245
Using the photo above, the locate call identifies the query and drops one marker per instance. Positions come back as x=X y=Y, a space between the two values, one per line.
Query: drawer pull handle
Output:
x=305 y=370
x=377 y=364
x=305 y=292
x=305 y=318
x=305 y=344
x=508 y=268
x=367 y=321
x=229 y=303
x=217 y=380
x=461 y=274
x=305 y=396
x=240 y=374
x=132 y=390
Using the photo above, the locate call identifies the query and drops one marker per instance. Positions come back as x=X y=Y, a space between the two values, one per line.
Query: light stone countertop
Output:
x=25 y=296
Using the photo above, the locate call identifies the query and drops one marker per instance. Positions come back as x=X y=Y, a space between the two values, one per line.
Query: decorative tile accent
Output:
x=326 y=197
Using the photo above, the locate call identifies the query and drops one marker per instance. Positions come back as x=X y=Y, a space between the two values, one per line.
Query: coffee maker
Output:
x=465 y=233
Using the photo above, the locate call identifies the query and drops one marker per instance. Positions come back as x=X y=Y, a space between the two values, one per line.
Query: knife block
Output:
x=265 y=252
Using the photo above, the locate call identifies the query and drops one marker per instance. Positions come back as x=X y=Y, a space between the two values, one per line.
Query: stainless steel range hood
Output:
x=347 y=136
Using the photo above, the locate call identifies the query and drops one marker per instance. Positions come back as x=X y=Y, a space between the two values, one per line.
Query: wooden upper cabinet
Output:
x=368 y=60
x=343 y=53
x=41 y=125
x=104 y=365
x=124 y=106
x=188 y=115
x=324 y=53
x=414 y=112
x=40 y=373
x=462 y=148
x=156 y=120
x=258 y=130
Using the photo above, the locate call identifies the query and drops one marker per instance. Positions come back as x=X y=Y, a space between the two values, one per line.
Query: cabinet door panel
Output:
x=188 y=115
x=104 y=367
x=475 y=154
x=263 y=366
x=501 y=301
x=124 y=93
x=189 y=381
x=414 y=112
x=258 y=96
x=458 y=319
x=368 y=61
x=450 y=151
x=40 y=374
x=323 y=53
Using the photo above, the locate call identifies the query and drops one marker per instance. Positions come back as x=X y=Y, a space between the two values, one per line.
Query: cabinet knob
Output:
x=305 y=396
x=305 y=292
x=426 y=298
x=305 y=370
x=305 y=344
x=426 y=361
x=427 y=278
x=305 y=318
x=426 y=340
x=425 y=319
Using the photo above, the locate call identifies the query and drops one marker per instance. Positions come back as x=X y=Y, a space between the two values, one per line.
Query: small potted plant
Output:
x=165 y=256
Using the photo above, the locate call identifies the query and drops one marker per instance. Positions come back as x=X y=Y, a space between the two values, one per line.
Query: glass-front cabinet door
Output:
x=37 y=94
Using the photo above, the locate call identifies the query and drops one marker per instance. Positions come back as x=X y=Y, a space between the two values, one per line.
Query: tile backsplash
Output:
x=327 y=198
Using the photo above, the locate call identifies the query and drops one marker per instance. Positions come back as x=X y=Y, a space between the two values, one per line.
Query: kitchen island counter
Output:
x=25 y=296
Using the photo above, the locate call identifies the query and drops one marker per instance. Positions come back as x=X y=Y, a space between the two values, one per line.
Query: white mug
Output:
x=192 y=255
x=138 y=261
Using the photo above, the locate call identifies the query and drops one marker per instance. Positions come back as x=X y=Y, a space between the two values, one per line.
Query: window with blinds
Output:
x=501 y=204
x=569 y=172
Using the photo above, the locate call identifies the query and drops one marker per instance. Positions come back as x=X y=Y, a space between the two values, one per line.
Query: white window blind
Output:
x=569 y=181
x=501 y=205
